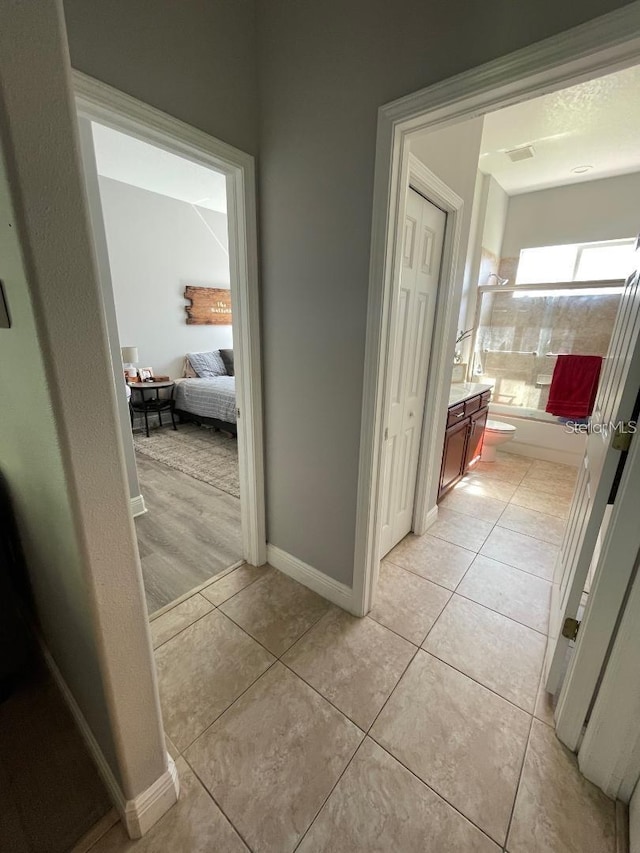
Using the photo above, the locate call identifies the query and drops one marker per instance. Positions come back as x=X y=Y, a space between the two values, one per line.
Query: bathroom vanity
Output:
x=466 y=417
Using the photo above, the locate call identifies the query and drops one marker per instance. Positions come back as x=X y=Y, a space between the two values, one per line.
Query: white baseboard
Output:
x=138 y=506
x=137 y=815
x=430 y=518
x=141 y=813
x=334 y=591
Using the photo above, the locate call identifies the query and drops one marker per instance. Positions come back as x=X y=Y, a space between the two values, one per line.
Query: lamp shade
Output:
x=129 y=355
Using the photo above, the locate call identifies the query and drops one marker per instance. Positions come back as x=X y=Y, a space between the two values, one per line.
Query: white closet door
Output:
x=423 y=240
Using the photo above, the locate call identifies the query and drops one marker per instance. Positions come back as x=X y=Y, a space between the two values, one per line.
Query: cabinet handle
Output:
x=460 y=415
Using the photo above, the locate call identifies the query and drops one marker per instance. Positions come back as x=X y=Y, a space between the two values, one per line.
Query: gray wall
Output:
x=606 y=209
x=634 y=822
x=31 y=460
x=60 y=443
x=194 y=59
x=325 y=70
x=157 y=245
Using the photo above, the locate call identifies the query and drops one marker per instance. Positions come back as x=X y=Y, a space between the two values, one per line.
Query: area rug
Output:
x=200 y=452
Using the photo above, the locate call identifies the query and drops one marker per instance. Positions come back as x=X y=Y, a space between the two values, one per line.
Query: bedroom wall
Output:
x=157 y=245
x=325 y=69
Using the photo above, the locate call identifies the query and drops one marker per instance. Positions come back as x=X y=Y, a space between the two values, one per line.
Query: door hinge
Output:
x=386 y=433
x=570 y=628
x=237 y=412
x=622 y=436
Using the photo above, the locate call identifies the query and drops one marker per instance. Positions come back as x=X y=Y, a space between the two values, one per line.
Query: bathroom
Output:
x=547 y=262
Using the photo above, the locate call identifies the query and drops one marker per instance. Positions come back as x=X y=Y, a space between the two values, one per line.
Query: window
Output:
x=604 y=261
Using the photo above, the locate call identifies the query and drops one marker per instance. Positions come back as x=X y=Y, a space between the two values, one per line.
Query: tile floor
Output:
x=422 y=727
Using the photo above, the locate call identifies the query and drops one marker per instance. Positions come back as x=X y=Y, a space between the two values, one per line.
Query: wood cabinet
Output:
x=463 y=439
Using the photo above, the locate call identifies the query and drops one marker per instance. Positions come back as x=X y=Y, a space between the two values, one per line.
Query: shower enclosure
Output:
x=521 y=329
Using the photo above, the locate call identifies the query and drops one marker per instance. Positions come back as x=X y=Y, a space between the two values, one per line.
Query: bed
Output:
x=209 y=400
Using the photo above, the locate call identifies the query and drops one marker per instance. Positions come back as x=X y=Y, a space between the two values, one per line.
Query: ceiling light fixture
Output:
x=581 y=170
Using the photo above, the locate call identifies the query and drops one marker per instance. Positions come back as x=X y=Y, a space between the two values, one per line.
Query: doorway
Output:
x=228 y=511
x=440 y=107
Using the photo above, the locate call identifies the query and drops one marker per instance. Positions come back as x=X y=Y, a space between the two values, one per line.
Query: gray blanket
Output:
x=209 y=398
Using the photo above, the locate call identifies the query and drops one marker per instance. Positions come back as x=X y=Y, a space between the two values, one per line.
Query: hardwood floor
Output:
x=190 y=532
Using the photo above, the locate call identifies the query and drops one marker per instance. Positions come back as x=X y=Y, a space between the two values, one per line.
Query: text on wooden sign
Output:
x=210 y=306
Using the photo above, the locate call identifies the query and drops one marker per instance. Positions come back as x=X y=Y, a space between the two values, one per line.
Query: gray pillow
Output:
x=207 y=364
x=227 y=357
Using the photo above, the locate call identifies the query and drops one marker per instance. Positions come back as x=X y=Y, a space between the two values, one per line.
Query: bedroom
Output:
x=165 y=228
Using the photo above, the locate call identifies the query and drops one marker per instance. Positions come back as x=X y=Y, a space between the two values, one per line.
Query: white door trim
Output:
x=613 y=574
x=610 y=752
x=414 y=173
x=601 y=46
x=100 y=102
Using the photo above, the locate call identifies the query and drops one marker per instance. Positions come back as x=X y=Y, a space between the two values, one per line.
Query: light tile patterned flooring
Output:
x=422 y=728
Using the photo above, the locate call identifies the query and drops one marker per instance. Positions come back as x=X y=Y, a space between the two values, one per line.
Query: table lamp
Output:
x=129 y=359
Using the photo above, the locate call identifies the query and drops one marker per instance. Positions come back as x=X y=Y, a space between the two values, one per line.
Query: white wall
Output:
x=452 y=153
x=104 y=273
x=157 y=245
x=60 y=445
x=490 y=207
x=31 y=460
x=495 y=217
x=595 y=210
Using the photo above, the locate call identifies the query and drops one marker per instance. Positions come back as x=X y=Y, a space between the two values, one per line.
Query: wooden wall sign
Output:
x=210 y=306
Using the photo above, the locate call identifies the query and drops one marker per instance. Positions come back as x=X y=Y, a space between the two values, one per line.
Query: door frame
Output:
x=601 y=46
x=99 y=102
x=606 y=658
x=614 y=573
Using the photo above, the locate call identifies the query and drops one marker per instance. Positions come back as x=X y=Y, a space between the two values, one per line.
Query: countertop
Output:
x=463 y=390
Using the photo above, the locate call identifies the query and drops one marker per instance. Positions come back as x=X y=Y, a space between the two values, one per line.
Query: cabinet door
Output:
x=453 y=459
x=476 y=436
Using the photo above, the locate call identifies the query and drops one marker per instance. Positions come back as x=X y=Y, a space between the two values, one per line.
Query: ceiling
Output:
x=134 y=162
x=593 y=124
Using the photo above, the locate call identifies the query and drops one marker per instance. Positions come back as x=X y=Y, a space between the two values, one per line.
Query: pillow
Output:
x=187 y=371
x=207 y=364
x=227 y=357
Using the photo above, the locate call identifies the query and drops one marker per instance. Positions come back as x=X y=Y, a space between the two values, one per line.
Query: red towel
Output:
x=574 y=385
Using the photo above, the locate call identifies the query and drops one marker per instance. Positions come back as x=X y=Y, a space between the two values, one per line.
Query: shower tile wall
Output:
x=489 y=263
x=515 y=334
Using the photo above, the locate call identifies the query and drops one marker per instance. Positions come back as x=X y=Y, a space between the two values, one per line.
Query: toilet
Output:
x=495 y=434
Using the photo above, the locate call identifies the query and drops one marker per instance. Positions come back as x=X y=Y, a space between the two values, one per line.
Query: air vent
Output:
x=518 y=154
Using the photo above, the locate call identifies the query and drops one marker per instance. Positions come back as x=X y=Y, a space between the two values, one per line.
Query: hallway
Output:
x=422 y=727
